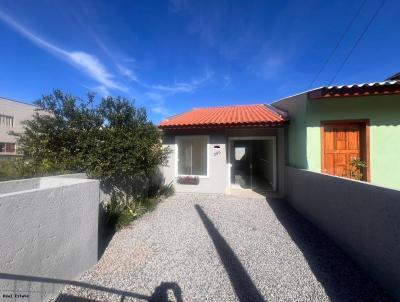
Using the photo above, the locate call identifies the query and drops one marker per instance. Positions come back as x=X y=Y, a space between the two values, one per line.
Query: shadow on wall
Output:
x=241 y=282
x=341 y=278
x=161 y=294
x=105 y=233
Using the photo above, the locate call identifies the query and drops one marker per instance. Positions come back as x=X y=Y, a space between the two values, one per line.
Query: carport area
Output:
x=203 y=247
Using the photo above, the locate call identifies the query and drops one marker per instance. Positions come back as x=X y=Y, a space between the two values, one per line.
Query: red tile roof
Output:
x=241 y=115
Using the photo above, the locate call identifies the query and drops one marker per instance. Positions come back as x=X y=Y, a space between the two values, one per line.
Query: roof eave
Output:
x=221 y=126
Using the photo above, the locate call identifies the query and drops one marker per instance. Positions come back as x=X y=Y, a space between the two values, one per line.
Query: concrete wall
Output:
x=48 y=228
x=304 y=133
x=20 y=112
x=363 y=219
x=19 y=185
x=39 y=182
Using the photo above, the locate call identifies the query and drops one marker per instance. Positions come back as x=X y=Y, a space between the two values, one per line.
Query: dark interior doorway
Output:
x=253 y=164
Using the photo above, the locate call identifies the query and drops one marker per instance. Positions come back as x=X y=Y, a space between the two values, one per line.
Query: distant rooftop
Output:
x=15 y=101
x=389 y=86
x=395 y=77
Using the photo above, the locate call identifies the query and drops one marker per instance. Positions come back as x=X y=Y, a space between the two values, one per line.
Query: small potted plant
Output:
x=357 y=169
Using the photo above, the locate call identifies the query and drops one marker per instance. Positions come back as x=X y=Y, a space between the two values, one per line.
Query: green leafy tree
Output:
x=113 y=141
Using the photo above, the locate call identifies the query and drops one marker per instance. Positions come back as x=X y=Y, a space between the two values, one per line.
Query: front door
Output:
x=253 y=164
x=341 y=144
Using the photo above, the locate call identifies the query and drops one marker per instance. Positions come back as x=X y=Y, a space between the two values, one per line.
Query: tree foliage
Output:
x=113 y=141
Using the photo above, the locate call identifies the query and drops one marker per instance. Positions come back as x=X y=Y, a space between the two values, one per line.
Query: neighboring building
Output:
x=225 y=148
x=395 y=77
x=330 y=126
x=236 y=147
x=12 y=113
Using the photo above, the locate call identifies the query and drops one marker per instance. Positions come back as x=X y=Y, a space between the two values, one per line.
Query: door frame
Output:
x=250 y=138
x=365 y=123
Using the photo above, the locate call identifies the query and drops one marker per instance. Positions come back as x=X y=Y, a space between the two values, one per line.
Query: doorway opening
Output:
x=252 y=164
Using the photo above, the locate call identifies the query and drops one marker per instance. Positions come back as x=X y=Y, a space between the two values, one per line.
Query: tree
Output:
x=113 y=141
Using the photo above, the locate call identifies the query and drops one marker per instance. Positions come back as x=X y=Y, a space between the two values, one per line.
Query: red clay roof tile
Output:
x=240 y=115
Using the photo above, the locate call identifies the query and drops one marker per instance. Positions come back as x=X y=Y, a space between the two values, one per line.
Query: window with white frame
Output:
x=6 y=120
x=192 y=155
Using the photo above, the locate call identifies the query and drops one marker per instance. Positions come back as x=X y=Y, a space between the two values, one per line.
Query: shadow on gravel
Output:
x=103 y=241
x=71 y=298
x=342 y=279
x=162 y=293
x=241 y=282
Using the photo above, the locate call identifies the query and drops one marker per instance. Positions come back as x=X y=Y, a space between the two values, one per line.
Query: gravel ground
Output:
x=219 y=248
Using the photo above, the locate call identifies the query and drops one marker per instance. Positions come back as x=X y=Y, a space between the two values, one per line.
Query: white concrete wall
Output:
x=39 y=182
x=19 y=185
x=363 y=219
x=48 y=228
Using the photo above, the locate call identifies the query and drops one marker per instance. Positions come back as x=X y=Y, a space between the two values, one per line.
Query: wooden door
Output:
x=341 y=143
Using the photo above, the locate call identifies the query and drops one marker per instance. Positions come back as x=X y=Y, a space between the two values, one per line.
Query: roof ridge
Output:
x=229 y=106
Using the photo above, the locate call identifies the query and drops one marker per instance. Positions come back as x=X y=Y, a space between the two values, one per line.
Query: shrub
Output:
x=113 y=141
x=121 y=211
x=156 y=186
x=8 y=170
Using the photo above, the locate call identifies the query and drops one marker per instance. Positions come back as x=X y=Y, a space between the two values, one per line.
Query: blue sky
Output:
x=171 y=56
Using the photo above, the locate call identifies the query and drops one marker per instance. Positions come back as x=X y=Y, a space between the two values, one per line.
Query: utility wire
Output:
x=358 y=41
x=338 y=43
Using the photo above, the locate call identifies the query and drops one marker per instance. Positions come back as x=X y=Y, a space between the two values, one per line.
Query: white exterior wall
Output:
x=218 y=180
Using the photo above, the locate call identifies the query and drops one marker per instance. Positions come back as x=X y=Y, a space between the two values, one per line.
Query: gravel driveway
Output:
x=222 y=248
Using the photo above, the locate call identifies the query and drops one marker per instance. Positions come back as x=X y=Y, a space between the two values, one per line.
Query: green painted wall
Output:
x=296 y=146
x=383 y=113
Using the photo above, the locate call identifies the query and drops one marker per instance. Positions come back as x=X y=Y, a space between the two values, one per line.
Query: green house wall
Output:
x=304 y=132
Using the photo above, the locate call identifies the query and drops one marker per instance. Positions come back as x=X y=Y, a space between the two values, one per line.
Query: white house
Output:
x=225 y=149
